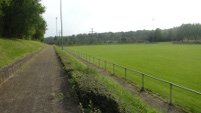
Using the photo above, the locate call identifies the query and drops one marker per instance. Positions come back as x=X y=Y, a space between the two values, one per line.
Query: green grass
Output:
x=14 y=49
x=127 y=101
x=177 y=63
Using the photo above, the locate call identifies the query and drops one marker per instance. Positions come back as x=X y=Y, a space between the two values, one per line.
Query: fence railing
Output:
x=92 y=59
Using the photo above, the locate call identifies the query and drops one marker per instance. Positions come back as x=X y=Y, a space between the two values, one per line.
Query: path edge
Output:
x=8 y=70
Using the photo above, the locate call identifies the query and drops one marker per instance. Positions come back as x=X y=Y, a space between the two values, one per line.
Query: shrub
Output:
x=90 y=88
x=87 y=86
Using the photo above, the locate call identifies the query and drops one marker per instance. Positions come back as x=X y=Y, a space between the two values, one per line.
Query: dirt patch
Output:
x=151 y=100
x=38 y=87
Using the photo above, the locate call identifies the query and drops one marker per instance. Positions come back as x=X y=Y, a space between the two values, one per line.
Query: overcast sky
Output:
x=119 y=15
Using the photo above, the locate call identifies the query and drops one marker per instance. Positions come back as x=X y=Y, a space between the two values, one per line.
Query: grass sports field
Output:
x=177 y=63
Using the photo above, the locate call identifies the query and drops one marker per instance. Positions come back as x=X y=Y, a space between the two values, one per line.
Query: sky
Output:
x=79 y=16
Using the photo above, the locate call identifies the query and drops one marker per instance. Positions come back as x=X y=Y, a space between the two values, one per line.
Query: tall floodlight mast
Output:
x=153 y=29
x=61 y=24
x=56 y=28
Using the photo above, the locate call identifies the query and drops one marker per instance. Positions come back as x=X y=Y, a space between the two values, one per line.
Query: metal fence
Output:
x=98 y=62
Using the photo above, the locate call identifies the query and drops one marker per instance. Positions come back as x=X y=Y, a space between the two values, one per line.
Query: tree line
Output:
x=22 y=19
x=189 y=33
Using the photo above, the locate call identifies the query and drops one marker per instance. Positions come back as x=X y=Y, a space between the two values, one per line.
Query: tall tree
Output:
x=3 y=3
x=22 y=18
x=40 y=29
x=158 y=35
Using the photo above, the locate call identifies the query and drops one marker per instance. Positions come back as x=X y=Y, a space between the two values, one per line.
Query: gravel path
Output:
x=38 y=87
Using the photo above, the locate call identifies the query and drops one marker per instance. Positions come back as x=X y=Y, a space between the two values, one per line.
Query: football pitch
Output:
x=176 y=63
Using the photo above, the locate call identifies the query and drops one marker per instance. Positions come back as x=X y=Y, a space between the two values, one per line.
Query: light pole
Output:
x=56 y=27
x=92 y=30
x=61 y=24
x=153 y=29
x=59 y=38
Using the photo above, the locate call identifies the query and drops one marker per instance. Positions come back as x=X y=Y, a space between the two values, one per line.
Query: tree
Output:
x=189 y=32
x=183 y=32
x=40 y=30
x=123 y=40
x=157 y=35
x=22 y=18
x=3 y=3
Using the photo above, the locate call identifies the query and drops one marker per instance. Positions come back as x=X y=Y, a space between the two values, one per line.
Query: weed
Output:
x=89 y=109
x=61 y=96
x=52 y=95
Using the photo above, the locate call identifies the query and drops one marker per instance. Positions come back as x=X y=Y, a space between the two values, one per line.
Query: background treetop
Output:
x=22 y=19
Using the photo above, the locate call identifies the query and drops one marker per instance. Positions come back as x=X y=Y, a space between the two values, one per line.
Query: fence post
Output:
x=89 y=58
x=93 y=61
x=142 y=82
x=125 y=72
x=99 y=62
x=113 y=69
x=105 y=65
x=170 y=93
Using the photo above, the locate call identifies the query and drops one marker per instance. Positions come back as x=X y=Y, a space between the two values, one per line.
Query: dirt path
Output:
x=150 y=99
x=38 y=87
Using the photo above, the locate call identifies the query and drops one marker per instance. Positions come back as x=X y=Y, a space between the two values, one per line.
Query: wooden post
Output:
x=113 y=70
x=170 y=94
x=105 y=65
x=125 y=72
x=142 y=82
x=89 y=58
x=99 y=62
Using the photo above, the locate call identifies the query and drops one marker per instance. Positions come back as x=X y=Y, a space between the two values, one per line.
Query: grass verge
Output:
x=103 y=93
x=13 y=49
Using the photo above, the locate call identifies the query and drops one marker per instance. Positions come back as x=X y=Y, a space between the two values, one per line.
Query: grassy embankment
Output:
x=176 y=63
x=13 y=49
x=104 y=93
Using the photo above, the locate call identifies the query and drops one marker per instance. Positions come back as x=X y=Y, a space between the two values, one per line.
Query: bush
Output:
x=90 y=88
x=87 y=86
